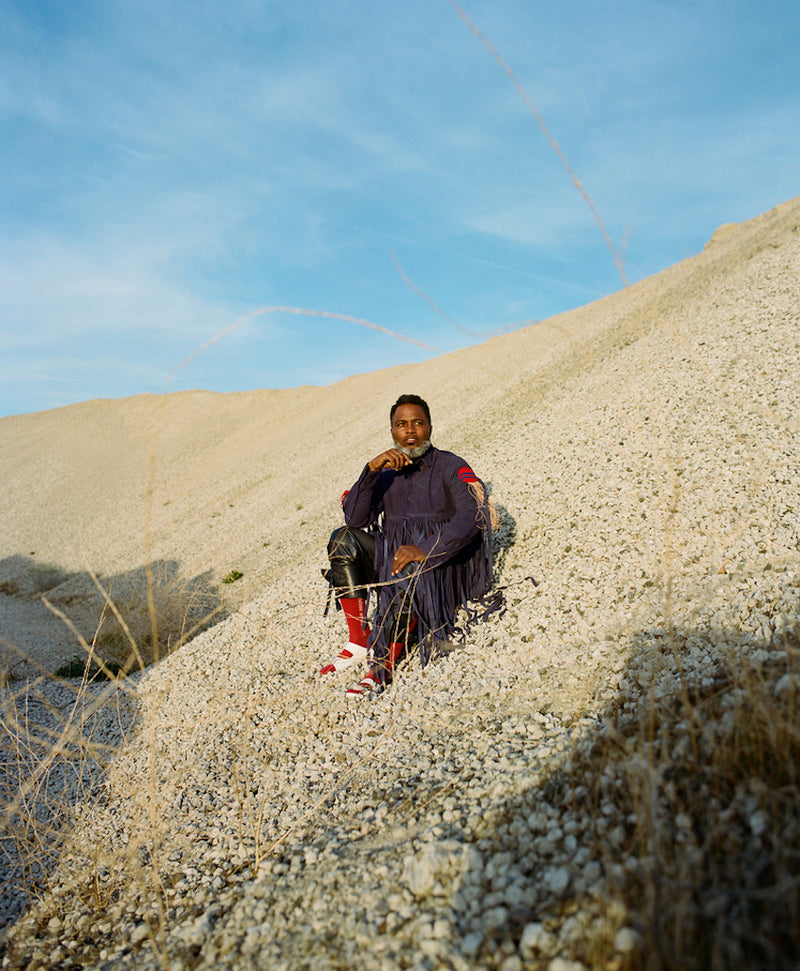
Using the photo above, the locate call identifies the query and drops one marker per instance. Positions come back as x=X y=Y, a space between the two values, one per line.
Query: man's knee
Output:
x=351 y=553
x=343 y=544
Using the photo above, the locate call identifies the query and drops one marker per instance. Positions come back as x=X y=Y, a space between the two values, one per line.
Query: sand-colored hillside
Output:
x=200 y=484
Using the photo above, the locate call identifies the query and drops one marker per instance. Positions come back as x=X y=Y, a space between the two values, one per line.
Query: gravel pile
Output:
x=486 y=811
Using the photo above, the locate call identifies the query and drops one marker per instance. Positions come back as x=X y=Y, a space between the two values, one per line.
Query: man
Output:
x=417 y=542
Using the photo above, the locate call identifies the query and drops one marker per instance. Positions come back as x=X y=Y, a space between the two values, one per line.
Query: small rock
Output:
x=564 y=964
x=535 y=940
x=471 y=943
x=140 y=933
x=627 y=940
x=557 y=880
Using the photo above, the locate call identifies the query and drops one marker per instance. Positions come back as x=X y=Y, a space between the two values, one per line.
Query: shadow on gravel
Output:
x=112 y=614
x=666 y=835
x=503 y=537
x=59 y=738
x=59 y=733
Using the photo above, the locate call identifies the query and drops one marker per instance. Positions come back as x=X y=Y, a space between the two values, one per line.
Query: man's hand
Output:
x=404 y=556
x=392 y=459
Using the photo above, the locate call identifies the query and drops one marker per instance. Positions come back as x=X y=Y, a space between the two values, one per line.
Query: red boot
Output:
x=379 y=675
x=358 y=630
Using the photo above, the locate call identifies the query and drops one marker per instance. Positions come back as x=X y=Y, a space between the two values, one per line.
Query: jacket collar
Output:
x=427 y=458
x=424 y=460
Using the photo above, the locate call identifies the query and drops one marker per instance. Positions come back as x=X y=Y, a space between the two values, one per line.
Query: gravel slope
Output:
x=231 y=810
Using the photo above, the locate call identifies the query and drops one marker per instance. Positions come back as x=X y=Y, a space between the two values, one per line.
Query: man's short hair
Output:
x=410 y=399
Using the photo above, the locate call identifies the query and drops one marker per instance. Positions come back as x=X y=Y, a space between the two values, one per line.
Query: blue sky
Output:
x=169 y=167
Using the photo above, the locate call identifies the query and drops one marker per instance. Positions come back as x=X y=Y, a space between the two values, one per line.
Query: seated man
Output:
x=417 y=542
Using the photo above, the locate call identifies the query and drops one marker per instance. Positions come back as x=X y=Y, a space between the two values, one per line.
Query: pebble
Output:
x=557 y=880
x=536 y=940
x=627 y=940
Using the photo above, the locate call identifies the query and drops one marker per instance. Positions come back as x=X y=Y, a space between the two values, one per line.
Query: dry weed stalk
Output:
x=715 y=820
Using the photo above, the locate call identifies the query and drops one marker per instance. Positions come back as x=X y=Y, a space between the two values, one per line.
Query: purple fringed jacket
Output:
x=438 y=504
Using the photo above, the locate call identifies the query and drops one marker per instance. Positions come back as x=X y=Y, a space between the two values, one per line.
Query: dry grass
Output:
x=60 y=735
x=708 y=782
x=705 y=779
x=139 y=855
x=52 y=759
x=138 y=618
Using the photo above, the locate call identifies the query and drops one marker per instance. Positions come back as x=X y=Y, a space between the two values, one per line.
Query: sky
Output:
x=172 y=172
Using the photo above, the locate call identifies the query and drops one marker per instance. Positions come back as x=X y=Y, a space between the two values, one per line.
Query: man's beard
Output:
x=417 y=452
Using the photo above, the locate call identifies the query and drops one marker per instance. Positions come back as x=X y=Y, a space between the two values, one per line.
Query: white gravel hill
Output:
x=227 y=808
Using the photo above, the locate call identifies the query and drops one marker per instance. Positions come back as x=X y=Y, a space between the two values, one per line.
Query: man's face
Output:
x=410 y=427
